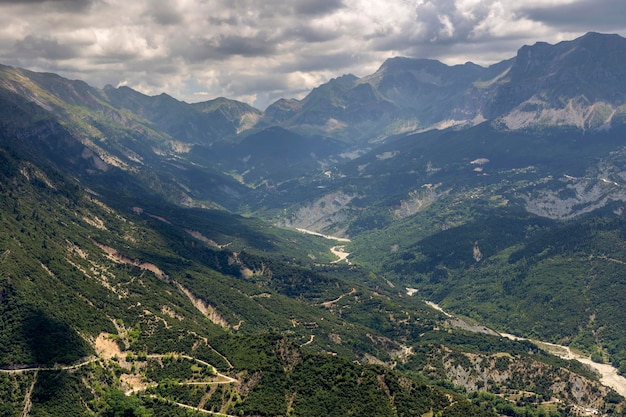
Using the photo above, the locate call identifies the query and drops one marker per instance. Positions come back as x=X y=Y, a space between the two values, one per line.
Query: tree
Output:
x=119 y=405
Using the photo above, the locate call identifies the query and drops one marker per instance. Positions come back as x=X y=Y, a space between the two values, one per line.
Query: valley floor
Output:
x=338 y=251
x=608 y=374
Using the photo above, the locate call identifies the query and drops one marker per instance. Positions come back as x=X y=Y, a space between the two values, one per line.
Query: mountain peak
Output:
x=346 y=78
x=400 y=62
x=597 y=44
x=601 y=36
x=591 y=56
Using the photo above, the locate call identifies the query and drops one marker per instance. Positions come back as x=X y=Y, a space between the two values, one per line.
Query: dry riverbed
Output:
x=608 y=374
x=338 y=251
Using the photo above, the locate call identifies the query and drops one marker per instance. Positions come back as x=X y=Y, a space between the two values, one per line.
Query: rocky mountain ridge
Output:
x=172 y=148
x=570 y=84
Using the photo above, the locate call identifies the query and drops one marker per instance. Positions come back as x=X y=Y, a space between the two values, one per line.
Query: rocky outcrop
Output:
x=512 y=376
x=322 y=213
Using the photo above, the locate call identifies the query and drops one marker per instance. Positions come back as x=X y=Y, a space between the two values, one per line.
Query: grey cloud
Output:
x=218 y=21
x=120 y=57
x=483 y=51
x=273 y=8
x=266 y=49
x=245 y=84
x=160 y=67
x=258 y=45
x=61 y=5
x=583 y=14
x=326 y=62
x=156 y=68
x=309 y=34
x=267 y=88
x=162 y=12
x=193 y=50
x=441 y=30
x=77 y=2
x=318 y=7
x=222 y=47
x=437 y=23
x=253 y=12
x=253 y=9
x=432 y=16
x=44 y=47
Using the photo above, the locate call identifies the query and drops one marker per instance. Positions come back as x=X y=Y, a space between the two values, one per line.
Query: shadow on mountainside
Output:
x=51 y=341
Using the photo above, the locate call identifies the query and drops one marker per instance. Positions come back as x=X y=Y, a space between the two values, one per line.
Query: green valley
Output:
x=154 y=259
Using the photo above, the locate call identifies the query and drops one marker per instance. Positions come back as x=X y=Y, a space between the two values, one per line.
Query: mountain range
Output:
x=149 y=257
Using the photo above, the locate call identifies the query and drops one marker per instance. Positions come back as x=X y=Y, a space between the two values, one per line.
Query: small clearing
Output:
x=116 y=256
x=436 y=307
x=106 y=347
x=411 y=292
x=134 y=383
x=311 y=339
x=196 y=234
x=339 y=251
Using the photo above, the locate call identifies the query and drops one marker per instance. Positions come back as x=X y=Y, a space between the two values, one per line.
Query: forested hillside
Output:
x=151 y=261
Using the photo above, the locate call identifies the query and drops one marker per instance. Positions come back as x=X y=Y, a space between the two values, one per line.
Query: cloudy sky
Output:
x=260 y=50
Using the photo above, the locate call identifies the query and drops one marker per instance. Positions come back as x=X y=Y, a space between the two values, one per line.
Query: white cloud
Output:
x=261 y=51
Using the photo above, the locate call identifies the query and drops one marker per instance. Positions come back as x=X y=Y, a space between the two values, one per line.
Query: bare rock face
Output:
x=320 y=214
x=602 y=184
x=577 y=83
x=511 y=376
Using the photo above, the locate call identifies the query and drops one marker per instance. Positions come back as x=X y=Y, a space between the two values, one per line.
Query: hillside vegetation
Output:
x=75 y=269
x=150 y=262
